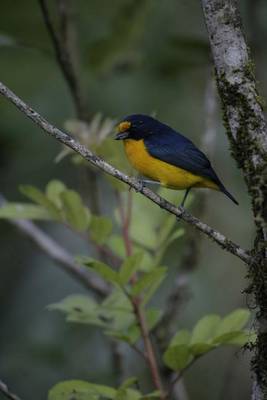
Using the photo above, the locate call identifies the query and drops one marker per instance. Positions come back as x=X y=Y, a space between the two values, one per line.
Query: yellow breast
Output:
x=168 y=175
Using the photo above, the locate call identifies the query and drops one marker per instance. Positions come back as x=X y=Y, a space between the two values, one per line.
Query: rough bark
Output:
x=246 y=129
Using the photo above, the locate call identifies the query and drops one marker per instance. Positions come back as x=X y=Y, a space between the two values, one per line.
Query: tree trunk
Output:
x=246 y=129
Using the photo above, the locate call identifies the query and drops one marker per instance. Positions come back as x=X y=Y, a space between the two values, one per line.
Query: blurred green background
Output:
x=137 y=56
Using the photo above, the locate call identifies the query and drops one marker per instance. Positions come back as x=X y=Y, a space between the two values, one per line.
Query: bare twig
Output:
x=64 y=55
x=138 y=351
x=57 y=253
x=179 y=212
x=6 y=392
x=180 y=375
x=118 y=362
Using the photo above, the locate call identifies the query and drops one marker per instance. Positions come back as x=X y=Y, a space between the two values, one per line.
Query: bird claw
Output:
x=142 y=186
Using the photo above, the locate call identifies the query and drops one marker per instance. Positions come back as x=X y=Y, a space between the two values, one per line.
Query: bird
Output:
x=166 y=157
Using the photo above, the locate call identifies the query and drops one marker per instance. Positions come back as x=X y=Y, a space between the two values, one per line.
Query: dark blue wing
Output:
x=179 y=151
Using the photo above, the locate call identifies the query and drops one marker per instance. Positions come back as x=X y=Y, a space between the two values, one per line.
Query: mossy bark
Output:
x=246 y=129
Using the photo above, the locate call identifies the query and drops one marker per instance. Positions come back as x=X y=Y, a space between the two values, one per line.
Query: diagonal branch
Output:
x=57 y=253
x=6 y=392
x=179 y=212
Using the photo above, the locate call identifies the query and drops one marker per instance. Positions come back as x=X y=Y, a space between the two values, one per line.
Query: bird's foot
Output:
x=144 y=182
x=141 y=186
x=182 y=209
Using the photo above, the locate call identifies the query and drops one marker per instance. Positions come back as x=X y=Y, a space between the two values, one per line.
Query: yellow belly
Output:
x=168 y=175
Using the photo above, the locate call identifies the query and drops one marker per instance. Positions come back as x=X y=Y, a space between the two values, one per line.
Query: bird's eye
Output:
x=124 y=126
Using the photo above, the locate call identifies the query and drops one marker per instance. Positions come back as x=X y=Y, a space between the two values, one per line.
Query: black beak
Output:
x=122 y=135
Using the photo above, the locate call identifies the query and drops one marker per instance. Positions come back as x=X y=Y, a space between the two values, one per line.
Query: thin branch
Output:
x=119 y=367
x=180 y=375
x=138 y=351
x=6 y=392
x=150 y=356
x=64 y=55
x=57 y=253
x=179 y=212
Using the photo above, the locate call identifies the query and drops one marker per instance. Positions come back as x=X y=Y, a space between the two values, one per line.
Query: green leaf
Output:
x=129 y=382
x=235 y=337
x=79 y=308
x=149 y=280
x=131 y=333
x=151 y=396
x=53 y=192
x=234 y=321
x=158 y=278
x=204 y=330
x=118 y=309
x=24 y=211
x=153 y=316
x=181 y=337
x=100 y=228
x=102 y=269
x=130 y=266
x=76 y=214
x=128 y=394
x=124 y=393
x=243 y=338
x=177 y=357
x=38 y=197
x=116 y=244
x=198 y=349
x=80 y=390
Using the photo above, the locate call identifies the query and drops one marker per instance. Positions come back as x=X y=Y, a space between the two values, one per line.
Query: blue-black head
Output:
x=138 y=126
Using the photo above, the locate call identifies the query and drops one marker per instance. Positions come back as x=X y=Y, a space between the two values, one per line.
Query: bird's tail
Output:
x=225 y=191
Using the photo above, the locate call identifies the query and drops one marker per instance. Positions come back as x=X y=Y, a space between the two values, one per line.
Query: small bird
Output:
x=160 y=153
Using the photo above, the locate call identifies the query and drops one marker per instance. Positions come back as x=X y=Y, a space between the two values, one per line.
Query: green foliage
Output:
x=153 y=230
x=81 y=390
x=75 y=213
x=53 y=192
x=114 y=315
x=148 y=283
x=133 y=281
x=129 y=267
x=57 y=204
x=102 y=269
x=209 y=333
x=24 y=211
x=100 y=229
x=177 y=357
x=38 y=197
